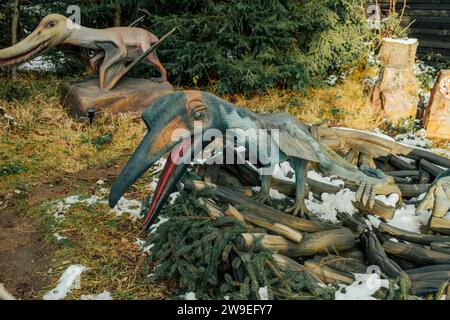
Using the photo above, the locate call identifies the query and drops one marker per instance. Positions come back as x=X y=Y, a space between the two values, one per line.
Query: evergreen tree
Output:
x=227 y=46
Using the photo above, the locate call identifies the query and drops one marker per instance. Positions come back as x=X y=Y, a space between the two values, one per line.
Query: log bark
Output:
x=312 y=244
x=230 y=196
x=416 y=253
x=342 y=263
x=422 y=288
x=418 y=238
x=275 y=227
x=234 y=213
x=430 y=167
x=401 y=164
x=441 y=247
x=377 y=256
x=351 y=223
x=440 y=225
x=289 y=264
x=328 y=274
x=213 y=210
x=432 y=268
x=403 y=173
x=374 y=145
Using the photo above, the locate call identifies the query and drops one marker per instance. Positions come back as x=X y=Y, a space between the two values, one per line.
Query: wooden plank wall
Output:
x=431 y=23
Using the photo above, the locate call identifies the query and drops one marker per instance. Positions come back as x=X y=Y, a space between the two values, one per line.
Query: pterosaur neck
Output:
x=85 y=37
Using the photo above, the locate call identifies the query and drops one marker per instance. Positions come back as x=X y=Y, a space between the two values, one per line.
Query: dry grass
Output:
x=60 y=160
x=345 y=104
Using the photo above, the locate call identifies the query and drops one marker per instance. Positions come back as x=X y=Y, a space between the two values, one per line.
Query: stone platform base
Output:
x=129 y=95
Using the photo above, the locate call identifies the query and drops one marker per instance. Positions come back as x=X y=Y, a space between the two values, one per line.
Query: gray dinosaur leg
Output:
x=301 y=169
x=263 y=194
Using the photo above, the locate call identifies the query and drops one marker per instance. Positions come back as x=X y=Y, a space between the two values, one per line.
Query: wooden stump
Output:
x=436 y=116
x=129 y=95
x=397 y=89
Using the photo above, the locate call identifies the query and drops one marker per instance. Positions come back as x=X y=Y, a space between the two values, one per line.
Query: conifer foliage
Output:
x=249 y=46
x=199 y=252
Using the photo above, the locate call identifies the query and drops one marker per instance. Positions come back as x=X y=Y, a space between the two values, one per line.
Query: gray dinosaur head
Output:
x=171 y=121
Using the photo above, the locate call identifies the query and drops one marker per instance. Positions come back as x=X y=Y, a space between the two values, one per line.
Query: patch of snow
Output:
x=105 y=295
x=417 y=139
x=331 y=204
x=363 y=288
x=58 y=236
x=391 y=200
x=61 y=206
x=190 y=296
x=421 y=196
x=152 y=185
x=402 y=41
x=263 y=294
x=374 y=221
x=159 y=165
x=273 y=193
x=40 y=63
x=140 y=243
x=406 y=218
x=155 y=226
x=173 y=196
x=328 y=180
x=69 y=280
x=72 y=199
x=147 y=249
x=128 y=206
x=284 y=171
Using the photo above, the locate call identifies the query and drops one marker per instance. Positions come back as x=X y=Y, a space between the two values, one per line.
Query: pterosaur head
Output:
x=51 y=31
x=171 y=122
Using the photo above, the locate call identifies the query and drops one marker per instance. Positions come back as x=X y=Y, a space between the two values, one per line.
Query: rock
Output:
x=436 y=116
x=396 y=92
x=129 y=95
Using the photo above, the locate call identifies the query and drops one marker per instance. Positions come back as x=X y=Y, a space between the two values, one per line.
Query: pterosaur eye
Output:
x=51 y=24
x=199 y=115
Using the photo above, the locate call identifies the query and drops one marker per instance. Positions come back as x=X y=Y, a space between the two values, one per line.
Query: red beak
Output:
x=171 y=173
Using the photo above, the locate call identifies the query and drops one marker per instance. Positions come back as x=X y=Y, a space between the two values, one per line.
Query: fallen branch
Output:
x=228 y=195
x=418 y=238
x=315 y=243
x=416 y=253
x=328 y=274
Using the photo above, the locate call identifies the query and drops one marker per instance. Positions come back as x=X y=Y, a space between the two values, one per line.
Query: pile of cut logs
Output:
x=334 y=252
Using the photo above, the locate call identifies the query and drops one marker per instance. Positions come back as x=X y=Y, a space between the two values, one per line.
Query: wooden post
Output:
x=436 y=116
x=397 y=90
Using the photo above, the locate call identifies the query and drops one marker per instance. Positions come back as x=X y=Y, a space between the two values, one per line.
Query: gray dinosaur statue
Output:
x=180 y=110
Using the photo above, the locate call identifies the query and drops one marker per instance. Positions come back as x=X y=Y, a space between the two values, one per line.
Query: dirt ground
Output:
x=25 y=255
